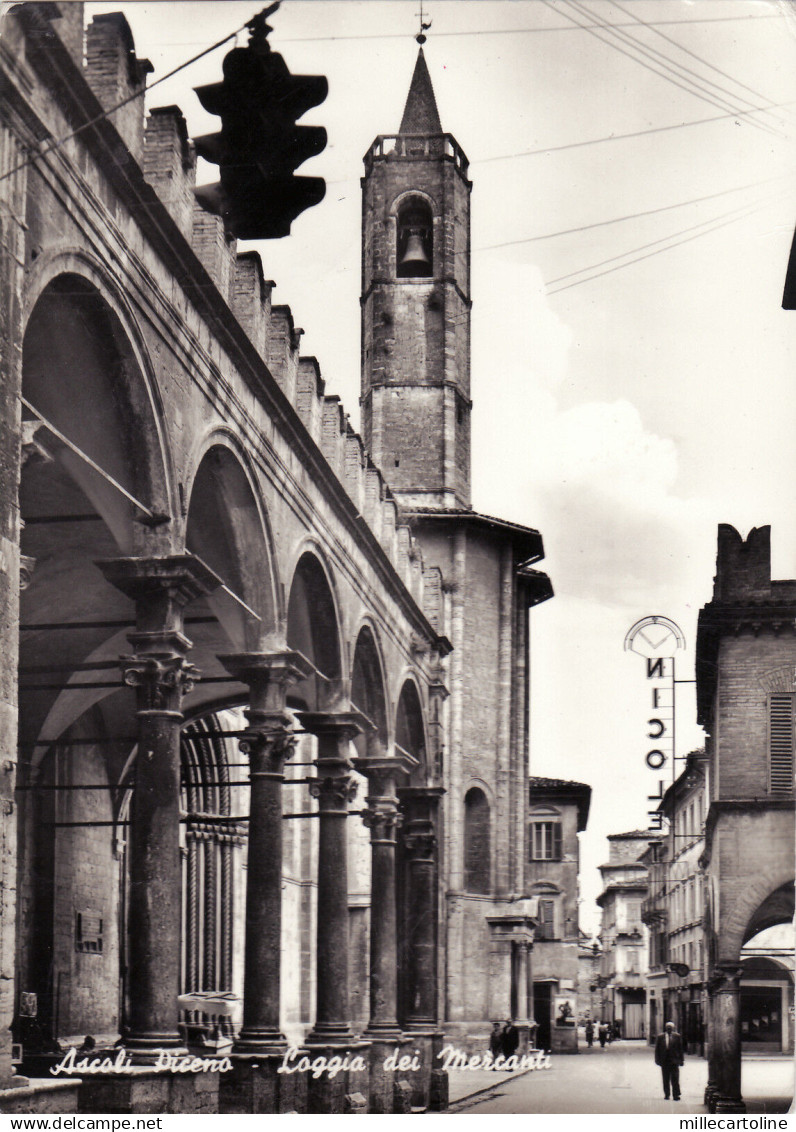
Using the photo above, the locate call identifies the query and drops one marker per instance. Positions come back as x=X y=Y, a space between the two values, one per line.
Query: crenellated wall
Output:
x=160 y=142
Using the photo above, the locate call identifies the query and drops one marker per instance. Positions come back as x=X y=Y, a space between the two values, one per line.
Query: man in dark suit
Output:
x=669 y=1055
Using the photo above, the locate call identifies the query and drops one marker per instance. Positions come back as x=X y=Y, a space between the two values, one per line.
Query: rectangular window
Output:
x=88 y=932
x=546 y=841
x=780 y=743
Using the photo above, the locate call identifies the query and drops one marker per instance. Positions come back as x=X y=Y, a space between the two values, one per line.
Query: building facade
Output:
x=623 y=933
x=558 y=812
x=674 y=911
x=746 y=658
x=227 y=644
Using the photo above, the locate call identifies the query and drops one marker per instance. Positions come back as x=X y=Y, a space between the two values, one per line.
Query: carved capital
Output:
x=268 y=750
x=161 y=680
x=381 y=818
x=334 y=792
x=725 y=979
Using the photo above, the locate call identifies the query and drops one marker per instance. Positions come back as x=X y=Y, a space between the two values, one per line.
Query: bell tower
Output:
x=416 y=307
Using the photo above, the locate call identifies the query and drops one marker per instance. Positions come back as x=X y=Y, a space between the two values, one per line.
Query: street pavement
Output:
x=623 y=1077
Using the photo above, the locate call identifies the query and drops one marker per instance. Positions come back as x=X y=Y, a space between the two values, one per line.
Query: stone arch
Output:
x=766 y=899
x=85 y=370
x=79 y=326
x=313 y=630
x=410 y=728
x=428 y=218
x=368 y=693
x=227 y=527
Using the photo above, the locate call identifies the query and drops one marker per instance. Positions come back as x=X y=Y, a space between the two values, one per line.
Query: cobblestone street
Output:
x=621 y=1078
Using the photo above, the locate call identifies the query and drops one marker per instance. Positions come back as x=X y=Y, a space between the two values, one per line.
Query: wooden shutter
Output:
x=780 y=743
x=547 y=910
x=556 y=841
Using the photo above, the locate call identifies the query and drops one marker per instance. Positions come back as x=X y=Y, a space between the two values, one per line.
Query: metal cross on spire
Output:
x=420 y=37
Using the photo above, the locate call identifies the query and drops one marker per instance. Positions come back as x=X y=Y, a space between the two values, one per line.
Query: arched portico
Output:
x=94 y=485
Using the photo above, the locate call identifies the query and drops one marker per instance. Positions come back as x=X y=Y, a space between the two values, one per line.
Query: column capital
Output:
x=334 y=791
x=162 y=677
x=382 y=818
x=725 y=978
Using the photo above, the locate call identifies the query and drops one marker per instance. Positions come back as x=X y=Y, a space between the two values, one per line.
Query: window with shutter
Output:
x=780 y=743
x=545 y=841
x=546 y=925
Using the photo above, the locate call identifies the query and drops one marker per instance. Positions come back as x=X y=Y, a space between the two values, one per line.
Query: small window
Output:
x=545 y=841
x=780 y=743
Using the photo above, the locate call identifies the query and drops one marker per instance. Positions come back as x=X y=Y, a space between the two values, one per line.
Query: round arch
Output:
x=767 y=899
x=368 y=693
x=313 y=630
x=410 y=728
x=95 y=484
x=86 y=368
x=227 y=527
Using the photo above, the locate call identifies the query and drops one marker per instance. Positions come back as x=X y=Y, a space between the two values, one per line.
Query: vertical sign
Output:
x=657 y=640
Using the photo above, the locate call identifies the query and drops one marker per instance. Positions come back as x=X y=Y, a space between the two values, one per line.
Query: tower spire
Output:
x=420 y=113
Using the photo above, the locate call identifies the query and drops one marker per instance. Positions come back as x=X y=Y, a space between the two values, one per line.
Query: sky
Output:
x=632 y=371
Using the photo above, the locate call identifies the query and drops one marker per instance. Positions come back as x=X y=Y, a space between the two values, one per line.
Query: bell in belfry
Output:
x=415 y=261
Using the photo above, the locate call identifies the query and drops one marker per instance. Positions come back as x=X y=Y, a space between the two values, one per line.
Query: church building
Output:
x=416 y=409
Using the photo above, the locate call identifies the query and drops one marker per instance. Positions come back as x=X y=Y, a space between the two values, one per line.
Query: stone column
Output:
x=382 y=819
x=419 y=805
x=160 y=674
x=724 y=1058
x=334 y=789
x=269 y=744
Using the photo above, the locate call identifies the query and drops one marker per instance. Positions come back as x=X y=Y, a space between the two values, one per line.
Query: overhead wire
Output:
x=702 y=229
x=628 y=216
x=504 y=31
x=699 y=58
x=620 y=137
x=663 y=70
x=706 y=84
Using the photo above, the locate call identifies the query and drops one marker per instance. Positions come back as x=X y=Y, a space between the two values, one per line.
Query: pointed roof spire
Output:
x=420 y=113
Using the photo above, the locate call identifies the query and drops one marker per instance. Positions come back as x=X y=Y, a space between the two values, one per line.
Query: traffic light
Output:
x=259 y=145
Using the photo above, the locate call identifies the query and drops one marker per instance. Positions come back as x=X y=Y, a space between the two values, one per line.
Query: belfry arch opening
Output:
x=414 y=252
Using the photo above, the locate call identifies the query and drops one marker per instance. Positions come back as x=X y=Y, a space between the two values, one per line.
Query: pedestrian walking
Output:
x=589 y=1033
x=602 y=1034
x=669 y=1055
